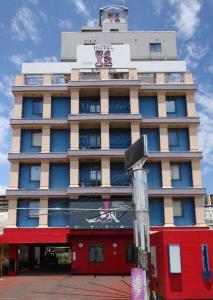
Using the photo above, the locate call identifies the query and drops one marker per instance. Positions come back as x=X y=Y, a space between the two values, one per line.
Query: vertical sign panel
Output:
x=138 y=280
x=153 y=262
x=174 y=259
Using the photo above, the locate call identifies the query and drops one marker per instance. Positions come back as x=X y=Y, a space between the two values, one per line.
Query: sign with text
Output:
x=137 y=280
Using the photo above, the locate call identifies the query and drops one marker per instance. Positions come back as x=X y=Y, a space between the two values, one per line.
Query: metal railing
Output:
x=60 y=79
x=147 y=77
x=174 y=78
x=208 y=212
x=118 y=75
x=90 y=76
x=33 y=79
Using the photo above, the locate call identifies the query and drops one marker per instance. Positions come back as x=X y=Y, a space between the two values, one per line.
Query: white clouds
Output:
x=194 y=53
x=25 y=24
x=157 y=6
x=2 y=190
x=186 y=17
x=81 y=7
x=205 y=101
x=4 y=130
x=51 y=58
x=6 y=82
x=65 y=24
x=92 y=22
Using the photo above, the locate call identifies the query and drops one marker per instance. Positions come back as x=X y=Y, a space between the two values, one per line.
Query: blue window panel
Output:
x=59 y=140
x=148 y=106
x=154 y=177
x=119 y=104
x=26 y=141
x=60 y=108
x=32 y=108
x=180 y=106
x=90 y=138
x=24 y=177
x=185 y=176
x=90 y=174
x=59 y=177
x=118 y=175
x=58 y=215
x=23 y=217
x=153 y=138
x=156 y=212
x=178 y=139
x=155 y=47
x=89 y=105
x=188 y=217
x=120 y=138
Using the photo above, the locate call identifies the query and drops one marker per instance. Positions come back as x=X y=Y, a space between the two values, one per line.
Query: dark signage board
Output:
x=135 y=152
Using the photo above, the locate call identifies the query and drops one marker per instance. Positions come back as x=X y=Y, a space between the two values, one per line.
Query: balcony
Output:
x=147 y=77
x=33 y=79
x=93 y=75
x=60 y=79
x=89 y=174
x=90 y=139
x=118 y=75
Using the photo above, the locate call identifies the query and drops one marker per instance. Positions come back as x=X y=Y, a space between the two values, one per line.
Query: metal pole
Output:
x=141 y=228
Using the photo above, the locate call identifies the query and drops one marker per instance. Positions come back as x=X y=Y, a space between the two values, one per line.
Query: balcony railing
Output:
x=147 y=77
x=118 y=75
x=89 y=76
x=174 y=78
x=33 y=79
x=60 y=79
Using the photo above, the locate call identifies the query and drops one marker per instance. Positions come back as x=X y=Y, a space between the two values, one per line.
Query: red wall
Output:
x=114 y=258
x=189 y=284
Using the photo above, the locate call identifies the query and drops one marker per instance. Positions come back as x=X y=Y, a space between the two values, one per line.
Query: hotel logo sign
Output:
x=103 y=56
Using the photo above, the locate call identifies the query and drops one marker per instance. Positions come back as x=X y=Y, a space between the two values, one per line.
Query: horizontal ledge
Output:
x=105 y=83
x=116 y=117
x=40 y=88
x=168 y=86
x=115 y=190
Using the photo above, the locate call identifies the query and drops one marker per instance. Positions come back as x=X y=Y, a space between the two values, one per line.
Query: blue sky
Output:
x=30 y=31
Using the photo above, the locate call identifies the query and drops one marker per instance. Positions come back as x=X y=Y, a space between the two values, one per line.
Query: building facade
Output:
x=73 y=121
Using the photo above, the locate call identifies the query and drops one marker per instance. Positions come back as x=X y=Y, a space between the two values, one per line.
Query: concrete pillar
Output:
x=104 y=98
x=75 y=75
x=74 y=136
x=43 y=216
x=47 y=106
x=161 y=96
x=160 y=78
x=74 y=173
x=105 y=135
x=104 y=73
x=134 y=104
x=133 y=74
x=12 y=212
x=163 y=130
x=74 y=101
x=199 y=211
x=16 y=140
x=190 y=104
x=47 y=79
x=44 y=178
x=45 y=143
x=193 y=138
x=196 y=174
x=135 y=131
x=166 y=174
x=105 y=171
x=14 y=175
x=17 y=109
x=168 y=211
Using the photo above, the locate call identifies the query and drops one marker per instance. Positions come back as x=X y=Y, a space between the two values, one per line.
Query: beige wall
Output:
x=74 y=173
x=74 y=136
x=104 y=74
x=190 y=104
x=104 y=98
x=193 y=138
x=19 y=80
x=47 y=106
x=105 y=171
x=134 y=104
x=199 y=210
x=45 y=146
x=43 y=216
x=14 y=175
x=133 y=74
x=17 y=110
x=166 y=175
x=160 y=78
x=75 y=101
x=135 y=131
x=104 y=135
x=16 y=140
x=47 y=79
x=168 y=211
x=161 y=96
x=12 y=212
x=75 y=74
x=44 y=177
x=163 y=130
x=188 y=78
x=196 y=174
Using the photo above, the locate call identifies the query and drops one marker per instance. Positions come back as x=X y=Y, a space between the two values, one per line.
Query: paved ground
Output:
x=65 y=287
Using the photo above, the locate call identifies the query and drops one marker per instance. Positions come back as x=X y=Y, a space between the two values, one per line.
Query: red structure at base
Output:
x=192 y=282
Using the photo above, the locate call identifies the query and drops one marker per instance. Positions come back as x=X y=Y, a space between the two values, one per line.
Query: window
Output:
x=177 y=208
x=130 y=254
x=37 y=107
x=175 y=172
x=33 y=209
x=173 y=137
x=174 y=259
x=155 y=47
x=95 y=175
x=171 y=106
x=36 y=139
x=96 y=254
x=205 y=261
x=35 y=173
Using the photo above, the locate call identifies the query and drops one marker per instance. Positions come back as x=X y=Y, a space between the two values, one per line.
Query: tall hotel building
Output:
x=72 y=122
